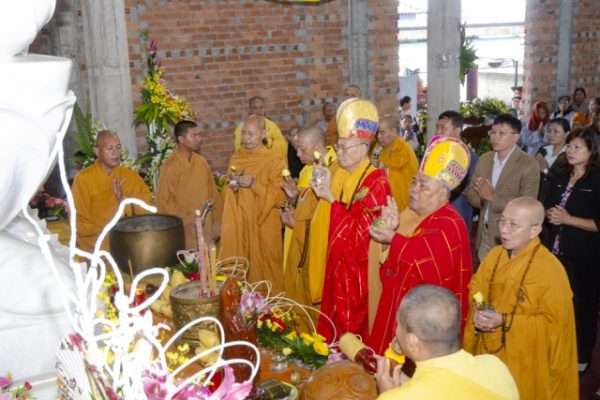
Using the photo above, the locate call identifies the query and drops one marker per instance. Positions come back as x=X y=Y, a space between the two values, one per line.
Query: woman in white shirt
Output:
x=547 y=156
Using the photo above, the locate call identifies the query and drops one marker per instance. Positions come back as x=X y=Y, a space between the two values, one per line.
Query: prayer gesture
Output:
x=389 y=215
x=385 y=379
x=287 y=217
x=557 y=215
x=246 y=181
x=322 y=185
x=484 y=188
x=117 y=185
x=486 y=320
x=290 y=189
x=542 y=162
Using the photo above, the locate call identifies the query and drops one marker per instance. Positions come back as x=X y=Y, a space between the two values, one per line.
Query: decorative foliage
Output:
x=468 y=54
x=85 y=136
x=488 y=107
x=159 y=109
x=18 y=393
x=50 y=208
x=277 y=330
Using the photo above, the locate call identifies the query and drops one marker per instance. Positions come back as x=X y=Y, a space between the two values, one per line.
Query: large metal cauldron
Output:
x=146 y=241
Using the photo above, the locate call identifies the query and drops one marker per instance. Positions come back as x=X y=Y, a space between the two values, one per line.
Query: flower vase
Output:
x=278 y=362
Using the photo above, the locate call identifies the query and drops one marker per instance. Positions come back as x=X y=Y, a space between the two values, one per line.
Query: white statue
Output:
x=35 y=109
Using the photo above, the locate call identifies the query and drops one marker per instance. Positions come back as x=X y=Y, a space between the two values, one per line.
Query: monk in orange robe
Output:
x=251 y=226
x=428 y=241
x=186 y=183
x=521 y=308
x=299 y=272
x=357 y=192
x=99 y=188
x=397 y=158
x=275 y=140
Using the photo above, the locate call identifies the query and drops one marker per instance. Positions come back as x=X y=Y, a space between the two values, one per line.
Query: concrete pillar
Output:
x=358 y=33
x=563 y=75
x=109 y=77
x=443 y=50
x=65 y=42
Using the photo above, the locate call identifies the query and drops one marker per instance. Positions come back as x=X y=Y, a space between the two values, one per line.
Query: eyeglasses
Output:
x=510 y=225
x=500 y=133
x=337 y=147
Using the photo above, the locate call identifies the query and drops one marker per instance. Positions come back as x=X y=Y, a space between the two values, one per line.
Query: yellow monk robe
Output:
x=275 y=140
x=457 y=376
x=96 y=203
x=304 y=180
x=184 y=187
x=540 y=345
x=401 y=165
x=331 y=133
x=298 y=268
x=251 y=225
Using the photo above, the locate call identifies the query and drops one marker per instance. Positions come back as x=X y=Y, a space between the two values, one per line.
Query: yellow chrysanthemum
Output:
x=320 y=348
x=286 y=351
x=307 y=339
x=291 y=336
x=318 y=338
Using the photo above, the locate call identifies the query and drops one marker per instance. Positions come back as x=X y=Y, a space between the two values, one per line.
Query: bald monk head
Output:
x=351 y=92
x=108 y=150
x=387 y=130
x=254 y=132
x=309 y=140
x=428 y=323
x=520 y=223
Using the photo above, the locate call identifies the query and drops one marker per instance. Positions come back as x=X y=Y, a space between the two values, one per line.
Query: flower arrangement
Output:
x=159 y=109
x=18 y=393
x=278 y=330
x=49 y=207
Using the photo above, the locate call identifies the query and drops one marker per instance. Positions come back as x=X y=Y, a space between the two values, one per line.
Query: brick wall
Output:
x=219 y=53
x=541 y=49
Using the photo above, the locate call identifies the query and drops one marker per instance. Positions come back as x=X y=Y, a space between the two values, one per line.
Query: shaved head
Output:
x=308 y=141
x=255 y=119
x=534 y=209
x=389 y=122
x=103 y=135
x=313 y=134
x=352 y=91
x=432 y=314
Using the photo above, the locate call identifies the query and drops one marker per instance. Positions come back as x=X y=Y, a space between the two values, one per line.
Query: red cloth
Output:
x=345 y=289
x=437 y=253
x=534 y=121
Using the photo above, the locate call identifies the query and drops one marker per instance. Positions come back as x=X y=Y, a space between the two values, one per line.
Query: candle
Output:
x=213 y=268
x=201 y=255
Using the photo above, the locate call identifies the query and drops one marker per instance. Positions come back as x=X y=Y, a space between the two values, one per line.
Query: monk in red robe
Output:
x=428 y=242
x=356 y=193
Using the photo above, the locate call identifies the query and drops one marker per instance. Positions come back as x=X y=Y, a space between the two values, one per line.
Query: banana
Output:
x=208 y=338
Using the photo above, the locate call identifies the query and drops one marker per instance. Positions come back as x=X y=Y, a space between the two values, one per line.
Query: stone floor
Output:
x=589 y=382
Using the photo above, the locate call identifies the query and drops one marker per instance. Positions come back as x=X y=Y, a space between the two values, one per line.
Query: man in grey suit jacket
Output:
x=500 y=176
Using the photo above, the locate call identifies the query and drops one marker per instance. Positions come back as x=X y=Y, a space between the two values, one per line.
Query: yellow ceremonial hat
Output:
x=357 y=118
x=446 y=159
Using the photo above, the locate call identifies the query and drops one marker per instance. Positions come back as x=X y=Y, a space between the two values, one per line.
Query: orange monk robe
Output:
x=96 y=203
x=401 y=165
x=251 y=225
x=184 y=186
x=275 y=140
x=299 y=271
x=331 y=133
x=304 y=181
x=540 y=345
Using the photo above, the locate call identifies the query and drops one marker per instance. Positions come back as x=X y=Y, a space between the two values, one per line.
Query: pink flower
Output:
x=155 y=385
x=5 y=381
x=50 y=202
x=229 y=389
x=153 y=46
x=5 y=396
x=27 y=385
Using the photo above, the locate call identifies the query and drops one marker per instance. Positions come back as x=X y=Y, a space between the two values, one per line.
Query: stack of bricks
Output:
x=542 y=26
x=219 y=53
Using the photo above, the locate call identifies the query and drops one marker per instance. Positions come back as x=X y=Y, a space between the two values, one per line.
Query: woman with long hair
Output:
x=533 y=135
x=573 y=216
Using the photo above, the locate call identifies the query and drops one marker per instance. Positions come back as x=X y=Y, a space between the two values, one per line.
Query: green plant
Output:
x=481 y=108
x=85 y=136
x=468 y=54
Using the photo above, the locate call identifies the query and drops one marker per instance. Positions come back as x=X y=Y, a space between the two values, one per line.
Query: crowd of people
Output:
x=380 y=242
